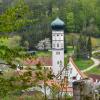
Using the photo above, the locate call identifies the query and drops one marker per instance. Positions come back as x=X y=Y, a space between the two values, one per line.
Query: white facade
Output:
x=74 y=74
x=57 y=51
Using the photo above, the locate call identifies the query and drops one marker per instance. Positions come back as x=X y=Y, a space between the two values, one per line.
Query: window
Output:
x=57 y=35
x=62 y=45
x=57 y=53
x=74 y=77
x=57 y=44
x=58 y=62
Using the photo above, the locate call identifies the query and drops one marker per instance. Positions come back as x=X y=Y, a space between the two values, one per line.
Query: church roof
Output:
x=57 y=22
x=81 y=74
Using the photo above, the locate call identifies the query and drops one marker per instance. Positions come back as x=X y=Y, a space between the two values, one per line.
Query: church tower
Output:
x=57 y=45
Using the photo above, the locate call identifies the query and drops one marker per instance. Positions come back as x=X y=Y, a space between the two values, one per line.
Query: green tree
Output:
x=89 y=46
x=15 y=17
x=81 y=48
x=43 y=74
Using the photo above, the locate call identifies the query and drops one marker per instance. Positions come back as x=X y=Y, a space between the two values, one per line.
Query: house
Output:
x=74 y=74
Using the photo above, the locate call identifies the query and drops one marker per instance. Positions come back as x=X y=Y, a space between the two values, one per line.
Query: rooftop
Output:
x=57 y=22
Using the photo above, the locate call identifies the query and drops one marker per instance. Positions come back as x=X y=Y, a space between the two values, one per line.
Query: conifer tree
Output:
x=81 y=48
x=89 y=46
x=65 y=46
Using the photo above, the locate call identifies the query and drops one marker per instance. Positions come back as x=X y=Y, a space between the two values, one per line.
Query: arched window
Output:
x=60 y=62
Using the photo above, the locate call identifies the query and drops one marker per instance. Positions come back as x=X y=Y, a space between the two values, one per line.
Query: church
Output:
x=71 y=72
x=63 y=73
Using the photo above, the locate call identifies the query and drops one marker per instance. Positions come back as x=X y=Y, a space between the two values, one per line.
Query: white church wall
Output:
x=57 y=51
x=73 y=73
x=57 y=61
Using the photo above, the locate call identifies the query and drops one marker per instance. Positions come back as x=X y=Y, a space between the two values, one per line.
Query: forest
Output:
x=31 y=19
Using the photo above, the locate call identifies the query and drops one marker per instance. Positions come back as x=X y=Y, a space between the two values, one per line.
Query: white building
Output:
x=57 y=46
x=74 y=74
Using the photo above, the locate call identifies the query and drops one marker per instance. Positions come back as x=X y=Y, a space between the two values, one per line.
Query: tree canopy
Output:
x=31 y=18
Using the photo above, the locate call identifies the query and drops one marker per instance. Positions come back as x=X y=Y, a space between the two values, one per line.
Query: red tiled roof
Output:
x=94 y=77
x=82 y=74
x=47 y=61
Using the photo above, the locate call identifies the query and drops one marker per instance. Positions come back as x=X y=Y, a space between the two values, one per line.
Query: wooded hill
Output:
x=31 y=19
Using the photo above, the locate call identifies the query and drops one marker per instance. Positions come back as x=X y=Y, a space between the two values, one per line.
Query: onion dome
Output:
x=57 y=24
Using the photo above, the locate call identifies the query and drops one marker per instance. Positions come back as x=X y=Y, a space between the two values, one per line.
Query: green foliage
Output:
x=5 y=87
x=11 y=55
x=81 y=48
x=19 y=17
x=83 y=64
x=14 y=18
x=65 y=46
x=70 y=22
x=43 y=53
x=10 y=42
x=13 y=84
x=89 y=46
x=97 y=55
x=54 y=91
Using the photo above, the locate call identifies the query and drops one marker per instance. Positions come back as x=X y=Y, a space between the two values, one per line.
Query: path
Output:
x=96 y=62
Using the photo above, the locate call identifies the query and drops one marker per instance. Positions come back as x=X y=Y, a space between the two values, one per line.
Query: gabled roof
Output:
x=79 y=71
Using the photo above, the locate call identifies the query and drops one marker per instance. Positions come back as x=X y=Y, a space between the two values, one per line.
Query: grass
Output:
x=43 y=53
x=95 y=70
x=83 y=64
x=97 y=48
x=65 y=61
x=49 y=53
x=70 y=49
